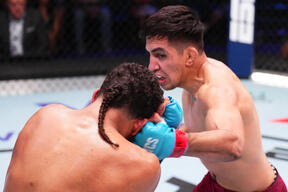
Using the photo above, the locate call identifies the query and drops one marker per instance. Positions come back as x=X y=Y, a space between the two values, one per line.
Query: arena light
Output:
x=270 y=79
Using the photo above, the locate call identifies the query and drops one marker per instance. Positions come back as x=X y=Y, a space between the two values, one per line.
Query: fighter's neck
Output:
x=112 y=116
x=195 y=77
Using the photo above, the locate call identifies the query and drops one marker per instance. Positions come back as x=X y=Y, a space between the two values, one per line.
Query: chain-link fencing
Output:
x=88 y=37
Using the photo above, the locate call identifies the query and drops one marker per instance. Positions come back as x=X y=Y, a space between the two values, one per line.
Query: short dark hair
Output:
x=176 y=22
x=132 y=86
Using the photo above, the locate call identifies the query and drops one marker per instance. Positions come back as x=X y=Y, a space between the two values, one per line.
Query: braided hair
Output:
x=132 y=86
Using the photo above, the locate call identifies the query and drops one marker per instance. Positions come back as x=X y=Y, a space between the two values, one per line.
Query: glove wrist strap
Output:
x=181 y=144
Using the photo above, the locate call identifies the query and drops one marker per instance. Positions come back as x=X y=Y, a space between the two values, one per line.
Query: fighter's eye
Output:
x=160 y=56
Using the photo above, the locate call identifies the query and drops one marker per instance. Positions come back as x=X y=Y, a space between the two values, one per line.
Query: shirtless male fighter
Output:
x=67 y=150
x=221 y=121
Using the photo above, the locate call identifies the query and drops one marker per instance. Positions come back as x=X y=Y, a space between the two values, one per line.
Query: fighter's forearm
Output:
x=215 y=146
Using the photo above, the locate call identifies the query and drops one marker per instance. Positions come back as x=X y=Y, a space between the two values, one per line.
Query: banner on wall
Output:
x=241 y=37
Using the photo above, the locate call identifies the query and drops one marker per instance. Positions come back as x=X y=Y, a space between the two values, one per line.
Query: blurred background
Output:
x=69 y=45
x=89 y=37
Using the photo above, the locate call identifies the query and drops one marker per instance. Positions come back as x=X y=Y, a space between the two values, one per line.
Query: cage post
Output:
x=241 y=37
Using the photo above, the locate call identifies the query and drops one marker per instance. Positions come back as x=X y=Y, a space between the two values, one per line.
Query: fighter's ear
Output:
x=95 y=94
x=191 y=54
x=161 y=108
x=138 y=125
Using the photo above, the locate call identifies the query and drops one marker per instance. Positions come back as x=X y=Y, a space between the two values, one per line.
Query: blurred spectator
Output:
x=214 y=14
x=53 y=14
x=284 y=50
x=22 y=31
x=88 y=12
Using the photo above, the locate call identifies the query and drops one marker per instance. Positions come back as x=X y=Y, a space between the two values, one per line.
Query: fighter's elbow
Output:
x=236 y=153
x=236 y=150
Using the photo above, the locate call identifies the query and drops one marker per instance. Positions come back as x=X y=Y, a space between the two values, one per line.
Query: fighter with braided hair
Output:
x=131 y=87
x=63 y=149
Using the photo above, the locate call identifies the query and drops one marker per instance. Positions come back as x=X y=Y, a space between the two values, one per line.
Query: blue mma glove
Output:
x=173 y=113
x=162 y=140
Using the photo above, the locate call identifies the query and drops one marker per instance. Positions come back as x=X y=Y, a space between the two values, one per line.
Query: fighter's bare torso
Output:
x=60 y=149
x=238 y=175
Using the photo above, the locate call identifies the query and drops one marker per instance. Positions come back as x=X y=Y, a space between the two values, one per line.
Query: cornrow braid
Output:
x=108 y=97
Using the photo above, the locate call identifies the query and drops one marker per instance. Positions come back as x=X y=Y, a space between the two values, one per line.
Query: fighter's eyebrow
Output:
x=158 y=49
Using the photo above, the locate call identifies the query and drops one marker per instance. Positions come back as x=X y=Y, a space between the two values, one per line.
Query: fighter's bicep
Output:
x=228 y=118
x=224 y=112
x=229 y=123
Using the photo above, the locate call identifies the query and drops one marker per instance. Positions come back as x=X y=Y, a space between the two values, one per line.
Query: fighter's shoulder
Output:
x=145 y=161
x=217 y=92
x=144 y=171
x=52 y=110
